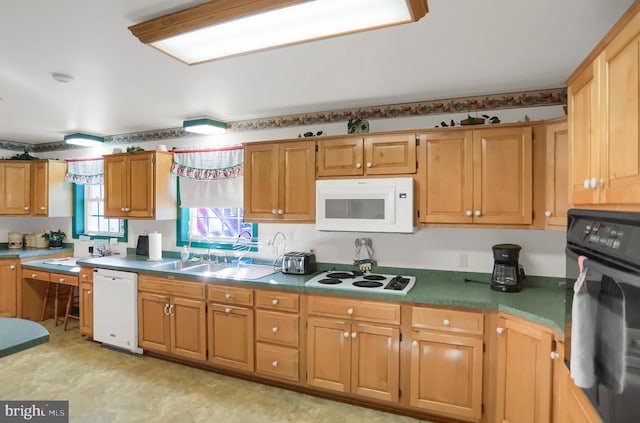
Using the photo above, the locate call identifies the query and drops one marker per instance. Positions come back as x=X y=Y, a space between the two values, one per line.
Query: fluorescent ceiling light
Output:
x=222 y=28
x=204 y=126
x=83 y=140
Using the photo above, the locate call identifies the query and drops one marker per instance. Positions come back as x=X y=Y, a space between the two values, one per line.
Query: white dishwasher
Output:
x=115 y=309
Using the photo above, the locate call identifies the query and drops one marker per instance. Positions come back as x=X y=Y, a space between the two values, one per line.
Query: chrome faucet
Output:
x=201 y=238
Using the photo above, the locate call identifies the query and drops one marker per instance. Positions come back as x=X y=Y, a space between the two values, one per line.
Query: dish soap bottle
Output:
x=184 y=255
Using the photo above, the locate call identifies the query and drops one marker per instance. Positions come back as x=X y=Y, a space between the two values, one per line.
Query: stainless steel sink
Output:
x=223 y=271
x=175 y=265
x=205 y=268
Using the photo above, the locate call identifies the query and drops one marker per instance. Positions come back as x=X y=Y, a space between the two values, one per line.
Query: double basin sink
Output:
x=224 y=271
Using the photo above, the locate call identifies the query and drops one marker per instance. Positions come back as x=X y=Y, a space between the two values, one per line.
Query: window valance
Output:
x=209 y=164
x=85 y=171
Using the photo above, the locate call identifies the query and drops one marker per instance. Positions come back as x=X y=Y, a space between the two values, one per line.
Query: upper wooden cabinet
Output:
x=479 y=176
x=15 y=187
x=604 y=120
x=557 y=192
x=379 y=155
x=139 y=186
x=50 y=193
x=279 y=182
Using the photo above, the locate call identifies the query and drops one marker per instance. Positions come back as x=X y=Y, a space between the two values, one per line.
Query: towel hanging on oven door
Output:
x=583 y=331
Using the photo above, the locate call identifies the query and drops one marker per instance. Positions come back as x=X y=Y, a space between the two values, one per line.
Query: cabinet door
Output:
x=15 y=188
x=154 y=322
x=557 y=184
x=261 y=178
x=447 y=195
x=584 y=115
x=390 y=154
x=329 y=354
x=297 y=195
x=341 y=157
x=116 y=186
x=620 y=160
x=523 y=373
x=231 y=340
x=576 y=407
x=188 y=328
x=8 y=288
x=86 y=308
x=141 y=185
x=503 y=185
x=446 y=374
x=39 y=188
x=375 y=363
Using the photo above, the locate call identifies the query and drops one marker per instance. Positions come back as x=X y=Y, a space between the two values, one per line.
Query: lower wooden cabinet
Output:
x=446 y=362
x=172 y=323
x=86 y=301
x=349 y=356
x=523 y=367
x=230 y=332
x=9 y=269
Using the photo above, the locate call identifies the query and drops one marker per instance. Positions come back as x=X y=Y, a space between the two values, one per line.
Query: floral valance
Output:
x=85 y=171
x=209 y=164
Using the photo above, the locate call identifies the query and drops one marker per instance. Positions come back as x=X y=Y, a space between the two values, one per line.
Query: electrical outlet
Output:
x=462 y=260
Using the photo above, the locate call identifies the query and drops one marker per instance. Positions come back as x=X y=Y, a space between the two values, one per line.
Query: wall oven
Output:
x=603 y=311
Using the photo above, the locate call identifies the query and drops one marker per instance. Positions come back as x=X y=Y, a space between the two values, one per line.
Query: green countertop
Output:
x=542 y=300
x=6 y=252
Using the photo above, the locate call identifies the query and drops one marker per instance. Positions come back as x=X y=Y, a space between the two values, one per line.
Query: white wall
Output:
x=430 y=248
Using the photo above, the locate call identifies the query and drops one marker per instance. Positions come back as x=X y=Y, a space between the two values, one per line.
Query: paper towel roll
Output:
x=155 y=246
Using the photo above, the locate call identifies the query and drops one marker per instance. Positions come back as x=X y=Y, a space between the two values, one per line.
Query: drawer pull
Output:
x=446 y=322
x=171 y=310
x=227 y=310
x=227 y=296
x=34 y=275
x=61 y=280
x=166 y=309
x=12 y=267
x=350 y=311
x=274 y=329
x=346 y=334
x=274 y=301
x=274 y=364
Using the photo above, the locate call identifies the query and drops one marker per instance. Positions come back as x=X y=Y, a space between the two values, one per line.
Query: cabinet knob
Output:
x=227 y=310
x=586 y=184
x=478 y=213
x=354 y=335
x=346 y=334
x=469 y=213
x=274 y=364
x=274 y=301
x=123 y=209
x=89 y=292
x=34 y=275
x=358 y=165
x=369 y=164
x=554 y=355
x=593 y=183
x=601 y=183
x=547 y=213
x=350 y=311
x=42 y=208
x=499 y=329
x=274 y=329
x=227 y=295
x=26 y=208
x=280 y=211
x=61 y=280
x=12 y=267
x=446 y=322
x=274 y=211
x=414 y=343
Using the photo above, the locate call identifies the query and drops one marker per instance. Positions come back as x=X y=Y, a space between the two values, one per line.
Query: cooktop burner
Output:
x=387 y=284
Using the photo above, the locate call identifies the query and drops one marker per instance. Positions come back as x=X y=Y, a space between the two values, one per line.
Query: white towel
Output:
x=583 y=332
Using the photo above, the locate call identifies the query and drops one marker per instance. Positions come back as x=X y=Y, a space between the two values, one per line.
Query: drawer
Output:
x=448 y=320
x=171 y=286
x=86 y=274
x=230 y=295
x=35 y=274
x=277 y=362
x=346 y=308
x=63 y=279
x=274 y=300
x=277 y=328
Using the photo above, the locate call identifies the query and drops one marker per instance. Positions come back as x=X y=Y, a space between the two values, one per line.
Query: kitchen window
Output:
x=222 y=225
x=89 y=218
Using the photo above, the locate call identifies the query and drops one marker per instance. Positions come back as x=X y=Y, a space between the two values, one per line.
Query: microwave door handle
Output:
x=617 y=275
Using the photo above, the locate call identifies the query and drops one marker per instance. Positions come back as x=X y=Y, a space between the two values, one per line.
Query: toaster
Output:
x=298 y=263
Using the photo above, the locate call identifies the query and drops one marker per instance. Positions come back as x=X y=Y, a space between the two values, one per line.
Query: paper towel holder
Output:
x=155 y=246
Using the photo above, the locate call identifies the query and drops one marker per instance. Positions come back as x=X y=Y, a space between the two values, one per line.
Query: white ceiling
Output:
x=462 y=47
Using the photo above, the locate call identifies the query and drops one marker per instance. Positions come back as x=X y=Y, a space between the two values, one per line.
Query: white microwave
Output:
x=365 y=205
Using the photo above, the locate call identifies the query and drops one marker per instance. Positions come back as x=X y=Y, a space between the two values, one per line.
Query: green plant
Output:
x=58 y=235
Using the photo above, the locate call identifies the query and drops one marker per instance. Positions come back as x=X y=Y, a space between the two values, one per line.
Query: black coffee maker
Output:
x=507 y=273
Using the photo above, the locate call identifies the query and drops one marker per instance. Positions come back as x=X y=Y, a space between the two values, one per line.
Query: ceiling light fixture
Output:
x=83 y=140
x=204 y=126
x=222 y=28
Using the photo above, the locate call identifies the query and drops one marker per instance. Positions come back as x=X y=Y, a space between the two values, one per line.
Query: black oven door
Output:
x=614 y=407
